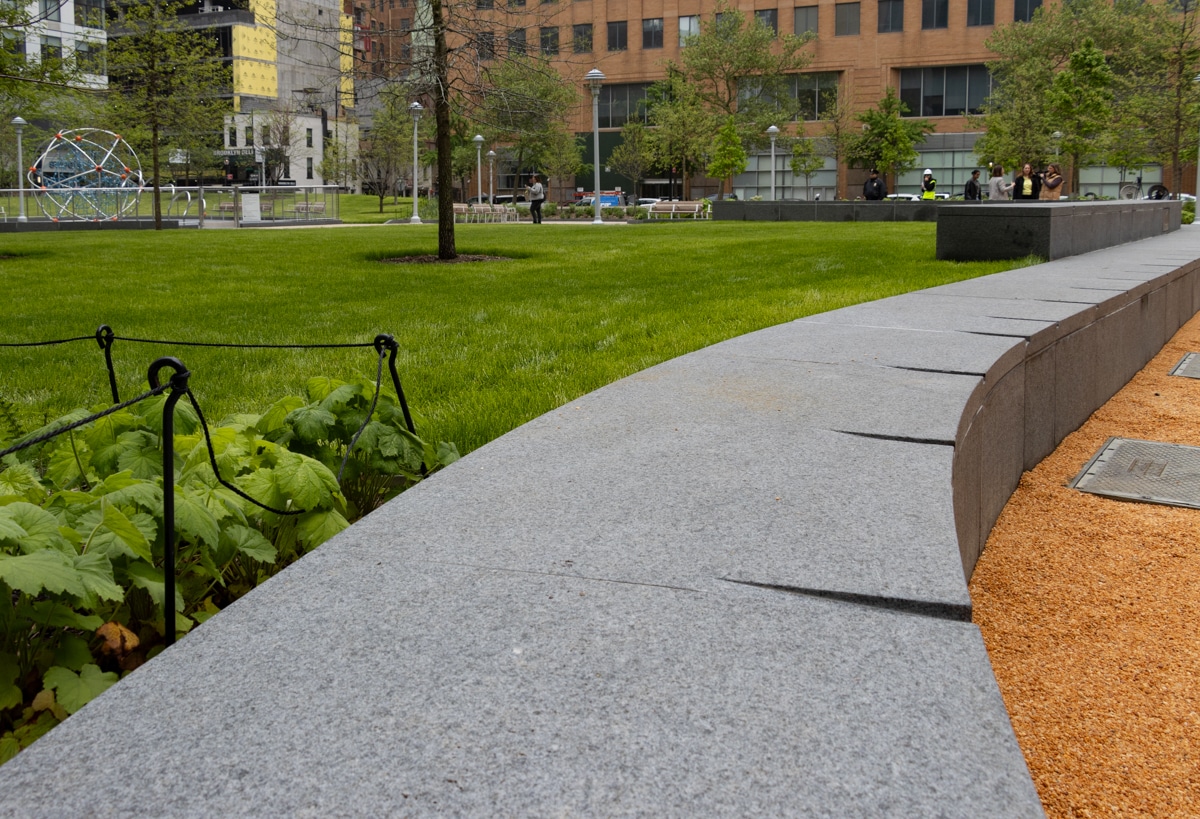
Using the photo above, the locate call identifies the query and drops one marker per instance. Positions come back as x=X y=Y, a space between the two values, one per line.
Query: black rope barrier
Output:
x=212 y=459
x=46 y=436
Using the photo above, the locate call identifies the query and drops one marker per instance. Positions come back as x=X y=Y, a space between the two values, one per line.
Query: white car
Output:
x=647 y=201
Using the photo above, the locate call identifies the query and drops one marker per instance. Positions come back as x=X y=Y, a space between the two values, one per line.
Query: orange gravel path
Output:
x=1090 y=609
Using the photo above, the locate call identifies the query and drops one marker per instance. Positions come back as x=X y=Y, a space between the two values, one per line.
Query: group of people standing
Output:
x=1027 y=185
x=1046 y=186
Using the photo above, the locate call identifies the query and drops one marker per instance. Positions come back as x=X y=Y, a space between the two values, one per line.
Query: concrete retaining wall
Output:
x=1051 y=230
x=731 y=584
x=897 y=211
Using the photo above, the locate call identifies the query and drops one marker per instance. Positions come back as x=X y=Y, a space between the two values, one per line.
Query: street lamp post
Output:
x=416 y=108
x=20 y=124
x=773 y=132
x=595 y=78
x=491 y=155
x=478 y=140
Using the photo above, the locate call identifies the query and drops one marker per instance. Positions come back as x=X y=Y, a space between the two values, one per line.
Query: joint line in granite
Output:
x=904 y=439
x=938 y=611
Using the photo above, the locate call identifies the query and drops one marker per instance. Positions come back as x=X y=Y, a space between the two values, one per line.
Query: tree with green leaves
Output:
x=683 y=128
x=634 y=157
x=889 y=139
x=729 y=158
x=527 y=109
x=165 y=80
x=806 y=160
x=562 y=159
x=385 y=151
x=1158 y=116
x=1080 y=104
x=1018 y=117
x=738 y=67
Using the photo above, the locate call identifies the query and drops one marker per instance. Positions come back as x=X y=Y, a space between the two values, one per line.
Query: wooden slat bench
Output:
x=677 y=210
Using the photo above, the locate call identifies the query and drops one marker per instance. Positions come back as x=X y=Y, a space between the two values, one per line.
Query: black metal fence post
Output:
x=104 y=337
x=179 y=387
x=384 y=341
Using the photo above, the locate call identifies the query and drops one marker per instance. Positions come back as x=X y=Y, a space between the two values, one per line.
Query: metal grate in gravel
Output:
x=1188 y=366
x=1146 y=471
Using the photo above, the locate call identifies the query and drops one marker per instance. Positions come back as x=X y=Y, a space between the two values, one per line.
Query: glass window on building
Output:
x=232 y=137
x=652 y=33
x=308 y=168
x=51 y=48
x=817 y=93
x=769 y=18
x=484 y=4
x=91 y=57
x=308 y=138
x=90 y=13
x=688 y=27
x=935 y=13
x=805 y=20
x=891 y=16
x=948 y=91
x=581 y=38
x=981 y=12
x=549 y=38
x=516 y=41
x=622 y=102
x=618 y=35
x=1023 y=10
x=50 y=10
x=845 y=19
x=248 y=135
x=485 y=45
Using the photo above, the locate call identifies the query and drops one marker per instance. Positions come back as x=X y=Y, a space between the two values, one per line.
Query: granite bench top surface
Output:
x=727 y=585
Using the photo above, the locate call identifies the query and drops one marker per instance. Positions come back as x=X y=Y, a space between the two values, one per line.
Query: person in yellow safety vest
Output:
x=928 y=185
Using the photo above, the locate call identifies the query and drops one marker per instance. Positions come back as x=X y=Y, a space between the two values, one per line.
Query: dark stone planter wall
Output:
x=1051 y=230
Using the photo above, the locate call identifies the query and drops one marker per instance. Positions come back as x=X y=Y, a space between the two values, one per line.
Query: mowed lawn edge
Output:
x=484 y=346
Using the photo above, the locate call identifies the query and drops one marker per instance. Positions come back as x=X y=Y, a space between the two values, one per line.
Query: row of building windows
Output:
x=890 y=18
x=88 y=13
x=928 y=92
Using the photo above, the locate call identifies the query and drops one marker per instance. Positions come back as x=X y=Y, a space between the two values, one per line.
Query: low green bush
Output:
x=81 y=545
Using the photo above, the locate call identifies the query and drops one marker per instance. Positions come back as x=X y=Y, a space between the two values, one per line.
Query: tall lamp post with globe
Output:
x=20 y=124
x=595 y=78
x=416 y=108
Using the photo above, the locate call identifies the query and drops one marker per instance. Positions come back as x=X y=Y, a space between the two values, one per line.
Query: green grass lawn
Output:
x=484 y=346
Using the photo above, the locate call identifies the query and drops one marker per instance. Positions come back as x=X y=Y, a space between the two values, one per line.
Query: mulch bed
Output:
x=1090 y=609
x=430 y=258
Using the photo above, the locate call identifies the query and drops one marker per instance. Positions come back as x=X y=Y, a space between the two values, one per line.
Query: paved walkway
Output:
x=730 y=584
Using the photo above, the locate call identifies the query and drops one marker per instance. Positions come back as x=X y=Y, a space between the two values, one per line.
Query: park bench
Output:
x=673 y=210
x=310 y=207
x=462 y=212
x=227 y=207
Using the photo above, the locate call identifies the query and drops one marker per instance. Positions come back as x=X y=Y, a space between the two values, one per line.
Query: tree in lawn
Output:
x=635 y=156
x=562 y=160
x=806 y=160
x=683 y=128
x=165 y=80
x=385 y=151
x=1080 y=102
x=728 y=157
x=889 y=139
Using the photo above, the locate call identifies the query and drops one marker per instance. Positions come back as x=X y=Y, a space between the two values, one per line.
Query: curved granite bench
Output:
x=733 y=583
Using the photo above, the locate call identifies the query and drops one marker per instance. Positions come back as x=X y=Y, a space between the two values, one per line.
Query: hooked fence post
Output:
x=104 y=337
x=384 y=341
x=179 y=385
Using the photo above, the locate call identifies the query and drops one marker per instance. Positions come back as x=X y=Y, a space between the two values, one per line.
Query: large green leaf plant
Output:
x=81 y=536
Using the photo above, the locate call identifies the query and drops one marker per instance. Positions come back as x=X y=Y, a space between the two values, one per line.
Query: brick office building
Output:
x=931 y=51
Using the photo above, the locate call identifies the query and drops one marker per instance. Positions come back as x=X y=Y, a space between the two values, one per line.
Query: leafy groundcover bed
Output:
x=82 y=540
